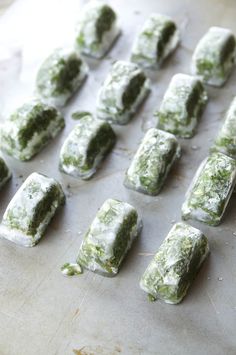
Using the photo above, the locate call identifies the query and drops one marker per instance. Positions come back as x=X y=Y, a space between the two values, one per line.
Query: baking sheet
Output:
x=42 y=312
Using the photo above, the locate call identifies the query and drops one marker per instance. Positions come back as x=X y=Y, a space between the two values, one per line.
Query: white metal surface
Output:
x=42 y=312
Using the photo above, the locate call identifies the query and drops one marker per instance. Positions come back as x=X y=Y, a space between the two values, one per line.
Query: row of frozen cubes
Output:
x=213 y=58
x=108 y=239
x=92 y=139
x=33 y=124
x=209 y=191
x=64 y=70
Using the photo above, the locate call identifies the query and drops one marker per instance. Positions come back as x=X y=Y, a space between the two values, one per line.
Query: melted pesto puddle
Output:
x=79 y=114
x=71 y=269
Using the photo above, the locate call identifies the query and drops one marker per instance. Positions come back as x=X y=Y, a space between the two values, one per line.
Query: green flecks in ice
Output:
x=175 y=265
x=210 y=190
x=109 y=238
x=214 y=56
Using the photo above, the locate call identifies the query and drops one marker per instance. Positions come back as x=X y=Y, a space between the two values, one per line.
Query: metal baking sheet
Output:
x=42 y=312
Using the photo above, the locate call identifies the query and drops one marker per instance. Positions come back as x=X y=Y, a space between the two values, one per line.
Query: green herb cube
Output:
x=176 y=264
x=29 y=129
x=5 y=173
x=31 y=209
x=152 y=162
x=60 y=76
x=225 y=141
x=85 y=147
x=97 y=29
x=109 y=238
x=210 y=190
x=214 y=56
x=182 y=106
x=158 y=38
x=122 y=92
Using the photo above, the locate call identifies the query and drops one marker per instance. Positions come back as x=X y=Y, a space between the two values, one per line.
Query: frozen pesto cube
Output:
x=31 y=209
x=181 y=106
x=225 y=141
x=85 y=147
x=122 y=92
x=175 y=265
x=210 y=190
x=29 y=129
x=152 y=162
x=157 y=39
x=60 y=76
x=97 y=29
x=109 y=238
x=214 y=56
x=5 y=173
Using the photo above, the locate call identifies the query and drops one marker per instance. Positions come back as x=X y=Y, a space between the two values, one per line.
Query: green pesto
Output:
x=96 y=145
x=133 y=90
x=209 y=195
x=225 y=141
x=158 y=38
x=70 y=269
x=40 y=210
x=153 y=187
x=94 y=249
x=31 y=118
x=214 y=57
x=207 y=69
x=96 y=29
x=227 y=49
x=40 y=117
x=104 y=21
x=72 y=160
x=182 y=107
x=194 y=99
x=165 y=36
x=121 y=93
x=205 y=66
x=152 y=162
x=57 y=74
x=100 y=141
x=105 y=137
x=122 y=240
x=176 y=264
x=68 y=71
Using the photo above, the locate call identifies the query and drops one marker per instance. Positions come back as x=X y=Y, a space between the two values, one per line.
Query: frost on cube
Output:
x=152 y=162
x=97 y=29
x=29 y=129
x=31 y=209
x=86 y=146
x=109 y=238
x=158 y=38
x=225 y=141
x=60 y=76
x=5 y=173
x=182 y=106
x=214 y=56
x=175 y=264
x=210 y=190
x=124 y=89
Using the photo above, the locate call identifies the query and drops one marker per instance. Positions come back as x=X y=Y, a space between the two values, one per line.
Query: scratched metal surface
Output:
x=42 y=312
